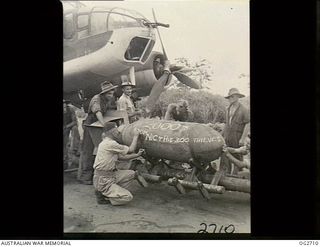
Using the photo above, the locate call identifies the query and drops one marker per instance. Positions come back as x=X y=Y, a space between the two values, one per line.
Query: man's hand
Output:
x=241 y=142
x=224 y=149
x=136 y=132
x=141 y=151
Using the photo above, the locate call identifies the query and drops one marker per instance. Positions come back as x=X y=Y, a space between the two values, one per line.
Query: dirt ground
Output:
x=158 y=208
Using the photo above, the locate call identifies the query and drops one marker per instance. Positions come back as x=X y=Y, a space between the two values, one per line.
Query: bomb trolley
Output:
x=179 y=153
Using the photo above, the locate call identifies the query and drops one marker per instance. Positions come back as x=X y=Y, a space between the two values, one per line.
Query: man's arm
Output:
x=241 y=150
x=74 y=120
x=246 y=120
x=134 y=142
x=100 y=117
x=238 y=163
x=226 y=151
x=244 y=134
x=168 y=115
x=130 y=156
x=95 y=107
x=70 y=125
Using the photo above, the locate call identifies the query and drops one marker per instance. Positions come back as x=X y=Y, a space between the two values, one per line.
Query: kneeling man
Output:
x=111 y=184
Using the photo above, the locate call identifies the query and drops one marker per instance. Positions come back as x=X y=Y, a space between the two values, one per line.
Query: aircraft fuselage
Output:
x=103 y=44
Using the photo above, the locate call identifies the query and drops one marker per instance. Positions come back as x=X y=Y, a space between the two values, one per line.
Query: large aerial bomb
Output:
x=177 y=141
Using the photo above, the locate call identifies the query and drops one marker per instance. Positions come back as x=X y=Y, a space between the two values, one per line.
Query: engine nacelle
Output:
x=178 y=141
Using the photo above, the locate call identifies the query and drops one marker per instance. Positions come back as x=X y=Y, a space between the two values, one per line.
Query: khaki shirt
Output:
x=97 y=103
x=232 y=110
x=108 y=153
x=235 y=124
x=125 y=103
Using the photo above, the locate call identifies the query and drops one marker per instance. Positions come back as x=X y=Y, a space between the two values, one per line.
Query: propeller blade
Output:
x=186 y=80
x=132 y=75
x=156 y=90
x=180 y=68
x=185 y=70
x=174 y=68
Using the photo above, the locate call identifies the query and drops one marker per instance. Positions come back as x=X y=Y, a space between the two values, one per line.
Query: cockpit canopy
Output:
x=96 y=20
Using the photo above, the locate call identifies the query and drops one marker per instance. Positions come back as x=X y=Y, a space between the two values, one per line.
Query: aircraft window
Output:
x=121 y=21
x=136 y=48
x=148 y=51
x=115 y=21
x=130 y=13
x=68 y=27
x=135 y=14
x=83 y=33
x=130 y=22
x=83 y=21
x=98 y=22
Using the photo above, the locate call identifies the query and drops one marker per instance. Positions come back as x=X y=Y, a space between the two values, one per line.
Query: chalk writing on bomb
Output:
x=169 y=139
x=148 y=129
x=165 y=139
x=207 y=139
x=166 y=126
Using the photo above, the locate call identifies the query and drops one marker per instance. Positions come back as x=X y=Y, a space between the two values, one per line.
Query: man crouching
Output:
x=111 y=184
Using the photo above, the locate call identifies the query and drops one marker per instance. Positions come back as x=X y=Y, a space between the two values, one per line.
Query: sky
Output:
x=215 y=30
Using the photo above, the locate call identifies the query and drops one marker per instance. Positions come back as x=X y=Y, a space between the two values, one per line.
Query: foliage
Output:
x=199 y=70
x=205 y=106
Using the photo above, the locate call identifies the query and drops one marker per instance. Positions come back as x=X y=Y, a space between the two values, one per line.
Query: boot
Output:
x=101 y=199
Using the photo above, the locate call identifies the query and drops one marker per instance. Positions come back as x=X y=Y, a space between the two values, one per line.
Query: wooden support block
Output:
x=175 y=182
x=235 y=184
x=192 y=177
x=203 y=191
x=217 y=176
x=230 y=183
x=194 y=186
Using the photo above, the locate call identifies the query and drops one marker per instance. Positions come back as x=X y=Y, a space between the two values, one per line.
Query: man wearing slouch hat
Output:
x=98 y=107
x=237 y=126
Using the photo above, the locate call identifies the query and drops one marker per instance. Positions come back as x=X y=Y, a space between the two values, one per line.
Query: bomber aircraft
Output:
x=102 y=43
